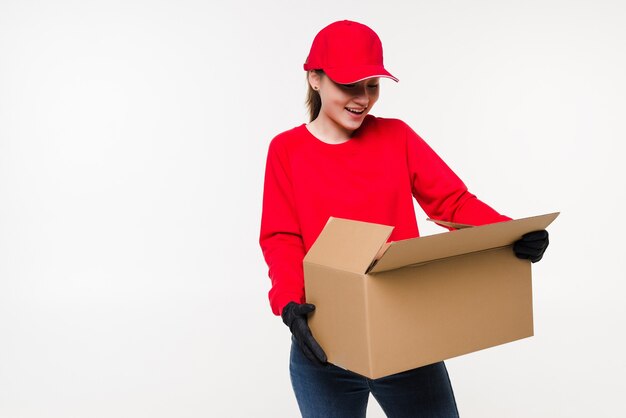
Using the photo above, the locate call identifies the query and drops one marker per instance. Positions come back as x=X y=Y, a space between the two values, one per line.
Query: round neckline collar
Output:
x=354 y=139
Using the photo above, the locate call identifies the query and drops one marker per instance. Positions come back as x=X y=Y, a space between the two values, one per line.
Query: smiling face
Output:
x=344 y=106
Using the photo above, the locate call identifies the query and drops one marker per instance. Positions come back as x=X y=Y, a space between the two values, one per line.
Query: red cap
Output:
x=348 y=52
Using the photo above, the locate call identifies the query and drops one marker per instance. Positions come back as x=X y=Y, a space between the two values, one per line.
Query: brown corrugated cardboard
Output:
x=383 y=308
x=450 y=224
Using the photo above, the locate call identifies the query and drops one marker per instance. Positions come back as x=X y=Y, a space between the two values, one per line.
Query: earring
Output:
x=316 y=88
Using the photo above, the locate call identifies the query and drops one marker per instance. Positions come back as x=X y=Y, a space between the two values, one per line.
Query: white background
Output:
x=133 y=137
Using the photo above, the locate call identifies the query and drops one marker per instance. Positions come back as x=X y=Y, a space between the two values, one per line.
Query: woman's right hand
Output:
x=295 y=317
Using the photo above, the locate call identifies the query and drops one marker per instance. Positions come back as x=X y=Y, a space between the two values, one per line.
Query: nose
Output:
x=362 y=96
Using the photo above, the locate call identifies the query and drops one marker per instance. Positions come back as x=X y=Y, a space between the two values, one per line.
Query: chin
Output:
x=354 y=124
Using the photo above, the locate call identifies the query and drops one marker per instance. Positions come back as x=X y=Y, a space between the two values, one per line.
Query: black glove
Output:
x=295 y=317
x=532 y=245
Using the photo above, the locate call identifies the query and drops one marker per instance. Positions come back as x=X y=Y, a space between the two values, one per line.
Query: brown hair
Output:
x=313 y=100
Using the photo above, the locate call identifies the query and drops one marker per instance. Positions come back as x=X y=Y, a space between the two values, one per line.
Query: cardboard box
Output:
x=383 y=308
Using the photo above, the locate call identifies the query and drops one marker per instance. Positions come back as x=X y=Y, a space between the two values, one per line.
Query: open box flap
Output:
x=348 y=245
x=466 y=240
x=450 y=224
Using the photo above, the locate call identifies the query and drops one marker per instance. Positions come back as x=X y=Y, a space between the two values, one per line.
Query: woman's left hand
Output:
x=532 y=245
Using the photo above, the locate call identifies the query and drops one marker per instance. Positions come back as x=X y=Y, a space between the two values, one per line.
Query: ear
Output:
x=314 y=80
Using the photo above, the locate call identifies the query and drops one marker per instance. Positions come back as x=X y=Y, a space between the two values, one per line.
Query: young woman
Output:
x=347 y=163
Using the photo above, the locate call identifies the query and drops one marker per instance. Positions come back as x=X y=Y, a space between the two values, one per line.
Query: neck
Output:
x=329 y=131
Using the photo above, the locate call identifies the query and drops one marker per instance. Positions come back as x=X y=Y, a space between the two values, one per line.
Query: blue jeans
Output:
x=332 y=392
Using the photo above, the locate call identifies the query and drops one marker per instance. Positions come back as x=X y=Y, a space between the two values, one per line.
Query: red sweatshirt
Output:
x=373 y=177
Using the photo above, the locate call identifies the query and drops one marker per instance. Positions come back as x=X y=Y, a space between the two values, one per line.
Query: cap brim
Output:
x=356 y=74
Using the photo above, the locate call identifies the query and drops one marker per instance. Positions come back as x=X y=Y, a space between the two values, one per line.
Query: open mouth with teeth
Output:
x=355 y=111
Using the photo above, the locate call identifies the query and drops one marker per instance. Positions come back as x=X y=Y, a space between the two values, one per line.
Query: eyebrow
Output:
x=354 y=84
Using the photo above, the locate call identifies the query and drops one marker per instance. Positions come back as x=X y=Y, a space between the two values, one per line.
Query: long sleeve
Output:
x=439 y=191
x=280 y=237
